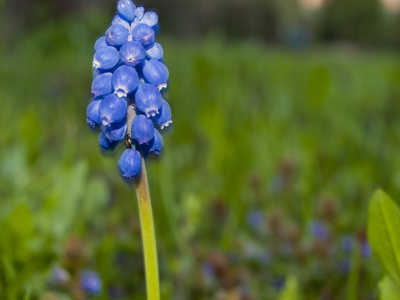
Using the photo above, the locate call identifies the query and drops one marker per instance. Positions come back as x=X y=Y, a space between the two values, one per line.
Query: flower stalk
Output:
x=146 y=223
x=148 y=235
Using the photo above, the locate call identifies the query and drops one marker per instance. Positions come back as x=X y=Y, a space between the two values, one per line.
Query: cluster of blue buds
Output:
x=129 y=80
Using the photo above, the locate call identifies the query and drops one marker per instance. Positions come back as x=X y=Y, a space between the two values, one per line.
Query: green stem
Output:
x=148 y=235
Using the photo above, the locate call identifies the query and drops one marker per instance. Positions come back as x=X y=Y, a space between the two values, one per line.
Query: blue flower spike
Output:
x=129 y=78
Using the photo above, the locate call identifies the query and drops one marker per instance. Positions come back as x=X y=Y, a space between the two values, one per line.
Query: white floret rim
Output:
x=162 y=86
x=96 y=64
x=121 y=93
x=166 y=124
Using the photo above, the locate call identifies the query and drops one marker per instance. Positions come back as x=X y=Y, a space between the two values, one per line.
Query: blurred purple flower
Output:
x=347 y=243
x=207 y=269
x=319 y=230
x=365 y=250
x=91 y=283
x=59 y=276
x=255 y=219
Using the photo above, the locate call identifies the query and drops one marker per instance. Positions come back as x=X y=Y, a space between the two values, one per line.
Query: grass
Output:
x=256 y=130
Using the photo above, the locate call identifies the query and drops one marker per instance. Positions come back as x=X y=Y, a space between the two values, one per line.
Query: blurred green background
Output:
x=285 y=122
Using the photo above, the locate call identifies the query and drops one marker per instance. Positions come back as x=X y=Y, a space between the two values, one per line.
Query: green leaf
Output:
x=389 y=289
x=291 y=290
x=384 y=232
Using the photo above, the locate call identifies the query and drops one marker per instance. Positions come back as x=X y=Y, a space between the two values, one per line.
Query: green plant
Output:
x=383 y=234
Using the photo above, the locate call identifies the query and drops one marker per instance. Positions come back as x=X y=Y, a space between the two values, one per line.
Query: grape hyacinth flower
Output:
x=128 y=103
x=129 y=72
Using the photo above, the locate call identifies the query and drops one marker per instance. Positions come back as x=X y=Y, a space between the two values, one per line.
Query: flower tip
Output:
x=151 y=113
x=96 y=64
x=166 y=124
x=90 y=123
x=105 y=123
x=162 y=86
x=121 y=94
x=126 y=175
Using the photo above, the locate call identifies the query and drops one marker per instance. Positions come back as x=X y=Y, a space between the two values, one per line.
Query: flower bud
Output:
x=92 y=113
x=105 y=58
x=117 y=132
x=130 y=163
x=148 y=99
x=119 y=21
x=163 y=119
x=155 y=72
x=124 y=80
x=101 y=84
x=132 y=53
x=139 y=12
x=155 y=51
x=116 y=35
x=126 y=9
x=157 y=143
x=143 y=34
x=100 y=43
x=105 y=143
x=112 y=110
x=142 y=129
x=150 y=18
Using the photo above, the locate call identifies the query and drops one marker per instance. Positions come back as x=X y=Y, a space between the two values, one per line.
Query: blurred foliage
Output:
x=364 y=22
x=358 y=20
x=265 y=176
